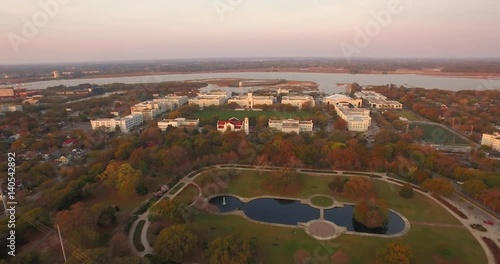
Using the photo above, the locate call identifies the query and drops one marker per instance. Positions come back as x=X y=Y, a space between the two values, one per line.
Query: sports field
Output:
x=435 y=134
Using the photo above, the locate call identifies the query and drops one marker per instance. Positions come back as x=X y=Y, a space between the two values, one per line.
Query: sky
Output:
x=51 y=31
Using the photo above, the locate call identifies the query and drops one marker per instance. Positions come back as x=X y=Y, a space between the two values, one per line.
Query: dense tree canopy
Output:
x=439 y=186
x=121 y=176
x=170 y=210
x=177 y=243
x=230 y=250
x=372 y=213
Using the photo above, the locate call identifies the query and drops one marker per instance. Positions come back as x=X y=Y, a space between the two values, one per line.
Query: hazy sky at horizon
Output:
x=94 y=30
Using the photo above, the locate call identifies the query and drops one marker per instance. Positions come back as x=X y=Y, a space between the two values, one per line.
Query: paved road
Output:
x=474 y=213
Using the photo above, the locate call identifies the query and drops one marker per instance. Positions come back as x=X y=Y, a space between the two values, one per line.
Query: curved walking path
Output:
x=319 y=173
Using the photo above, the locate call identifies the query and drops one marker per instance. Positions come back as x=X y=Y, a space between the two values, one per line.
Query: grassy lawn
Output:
x=248 y=183
x=429 y=244
x=226 y=114
x=435 y=134
x=452 y=244
x=322 y=201
x=137 y=236
x=410 y=115
x=187 y=195
x=176 y=188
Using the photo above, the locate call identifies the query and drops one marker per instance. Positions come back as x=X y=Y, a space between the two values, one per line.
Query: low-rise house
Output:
x=70 y=143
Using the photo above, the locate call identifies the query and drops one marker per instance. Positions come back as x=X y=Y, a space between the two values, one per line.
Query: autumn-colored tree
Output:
x=176 y=243
x=395 y=253
x=170 y=210
x=340 y=257
x=359 y=186
x=230 y=250
x=121 y=176
x=491 y=198
x=372 y=213
x=438 y=186
x=474 y=187
x=282 y=179
x=81 y=217
x=340 y=125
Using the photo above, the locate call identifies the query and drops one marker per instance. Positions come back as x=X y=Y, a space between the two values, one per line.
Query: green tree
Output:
x=438 y=186
x=395 y=253
x=230 y=250
x=121 y=176
x=107 y=217
x=406 y=191
x=176 y=242
x=474 y=187
x=141 y=189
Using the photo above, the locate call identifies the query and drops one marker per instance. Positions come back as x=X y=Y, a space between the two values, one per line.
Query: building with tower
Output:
x=233 y=124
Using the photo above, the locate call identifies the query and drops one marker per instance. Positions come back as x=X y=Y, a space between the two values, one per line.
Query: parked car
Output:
x=459 y=182
x=488 y=222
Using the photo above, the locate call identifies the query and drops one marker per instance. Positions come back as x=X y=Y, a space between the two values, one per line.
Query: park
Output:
x=431 y=231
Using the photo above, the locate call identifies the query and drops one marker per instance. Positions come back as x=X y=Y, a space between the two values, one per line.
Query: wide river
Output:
x=327 y=81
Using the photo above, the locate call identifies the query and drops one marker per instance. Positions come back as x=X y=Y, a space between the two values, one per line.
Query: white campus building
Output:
x=358 y=119
x=298 y=100
x=150 y=109
x=173 y=101
x=233 y=124
x=250 y=100
x=492 y=141
x=291 y=125
x=125 y=124
x=178 y=122
x=378 y=101
x=210 y=98
x=342 y=99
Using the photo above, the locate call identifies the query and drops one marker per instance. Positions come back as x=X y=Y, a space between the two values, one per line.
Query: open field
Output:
x=430 y=244
x=435 y=134
x=187 y=195
x=410 y=115
x=226 y=114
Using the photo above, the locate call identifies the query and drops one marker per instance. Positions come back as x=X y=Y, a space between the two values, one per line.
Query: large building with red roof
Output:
x=233 y=124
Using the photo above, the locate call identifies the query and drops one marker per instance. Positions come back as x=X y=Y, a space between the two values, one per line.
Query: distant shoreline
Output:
x=425 y=72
